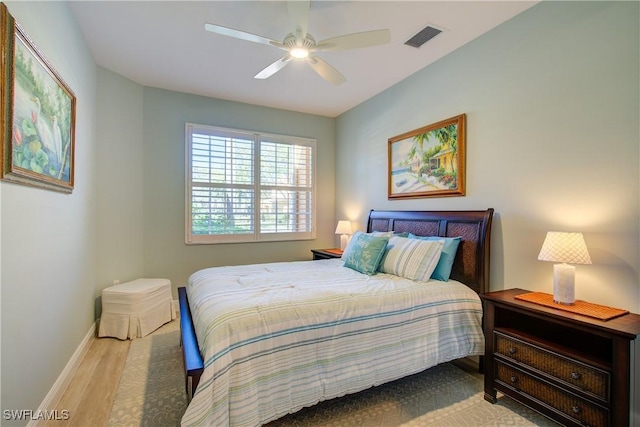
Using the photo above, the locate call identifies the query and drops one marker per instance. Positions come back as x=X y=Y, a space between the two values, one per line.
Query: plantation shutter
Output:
x=244 y=186
x=285 y=187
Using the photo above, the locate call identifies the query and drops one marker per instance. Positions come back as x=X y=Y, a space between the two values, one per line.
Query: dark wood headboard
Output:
x=471 y=265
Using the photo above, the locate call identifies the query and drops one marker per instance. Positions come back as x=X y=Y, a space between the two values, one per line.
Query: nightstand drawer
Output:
x=572 y=406
x=568 y=371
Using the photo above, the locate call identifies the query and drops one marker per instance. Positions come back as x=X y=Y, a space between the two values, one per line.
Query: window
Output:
x=248 y=187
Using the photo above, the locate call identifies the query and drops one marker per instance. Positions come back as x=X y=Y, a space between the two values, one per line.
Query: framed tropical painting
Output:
x=38 y=114
x=428 y=162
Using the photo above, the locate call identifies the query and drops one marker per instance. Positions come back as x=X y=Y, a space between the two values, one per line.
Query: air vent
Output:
x=423 y=36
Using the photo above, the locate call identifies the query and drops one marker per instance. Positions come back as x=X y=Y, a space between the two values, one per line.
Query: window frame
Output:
x=257 y=138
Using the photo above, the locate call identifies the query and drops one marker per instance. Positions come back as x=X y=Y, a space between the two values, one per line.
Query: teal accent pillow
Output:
x=443 y=269
x=364 y=252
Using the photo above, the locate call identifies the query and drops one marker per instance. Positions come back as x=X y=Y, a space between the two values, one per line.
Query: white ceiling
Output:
x=164 y=44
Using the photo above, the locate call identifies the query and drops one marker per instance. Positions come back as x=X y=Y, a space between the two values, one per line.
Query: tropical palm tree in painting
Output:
x=428 y=161
x=437 y=151
x=448 y=137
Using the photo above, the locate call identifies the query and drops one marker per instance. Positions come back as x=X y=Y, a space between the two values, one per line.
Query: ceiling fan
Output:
x=301 y=45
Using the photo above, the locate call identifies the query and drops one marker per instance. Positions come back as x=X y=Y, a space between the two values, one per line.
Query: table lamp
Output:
x=344 y=230
x=564 y=248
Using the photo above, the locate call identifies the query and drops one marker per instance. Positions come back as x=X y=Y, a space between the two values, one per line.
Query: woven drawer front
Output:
x=571 y=372
x=581 y=410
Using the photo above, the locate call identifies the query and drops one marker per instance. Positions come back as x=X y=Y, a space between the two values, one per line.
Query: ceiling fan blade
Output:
x=299 y=17
x=243 y=35
x=325 y=70
x=273 y=68
x=355 y=40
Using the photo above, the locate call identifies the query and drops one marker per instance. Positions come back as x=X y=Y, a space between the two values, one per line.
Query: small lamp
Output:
x=564 y=248
x=343 y=229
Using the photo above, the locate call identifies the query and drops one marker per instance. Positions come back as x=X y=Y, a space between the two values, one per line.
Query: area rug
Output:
x=151 y=393
x=151 y=390
x=444 y=395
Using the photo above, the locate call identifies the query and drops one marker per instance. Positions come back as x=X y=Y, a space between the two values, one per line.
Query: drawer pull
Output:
x=575 y=375
x=513 y=379
x=512 y=350
x=576 y=409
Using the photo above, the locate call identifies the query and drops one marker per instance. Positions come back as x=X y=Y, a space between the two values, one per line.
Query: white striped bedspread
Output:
x=282 y=336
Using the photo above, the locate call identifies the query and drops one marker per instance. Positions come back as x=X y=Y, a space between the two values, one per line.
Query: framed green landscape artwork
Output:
x=428 y=162
x=38 y=114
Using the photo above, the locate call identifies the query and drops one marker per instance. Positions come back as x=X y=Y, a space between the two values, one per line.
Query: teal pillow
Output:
x=364 y=252
x=443 y=269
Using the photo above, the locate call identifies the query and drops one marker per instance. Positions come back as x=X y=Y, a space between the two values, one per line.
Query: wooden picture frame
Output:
x=429 y=161
x=37 y=117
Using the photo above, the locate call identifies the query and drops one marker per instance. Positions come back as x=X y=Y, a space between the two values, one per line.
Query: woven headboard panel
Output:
x=471 y=265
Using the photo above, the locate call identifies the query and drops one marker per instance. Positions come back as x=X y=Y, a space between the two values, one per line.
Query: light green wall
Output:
x=49 y=241
x=165 y=114
x=141 y=191
x=120 y=180
x=552 y=102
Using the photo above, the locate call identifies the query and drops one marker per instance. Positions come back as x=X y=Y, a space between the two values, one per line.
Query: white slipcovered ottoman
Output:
x=136 y=308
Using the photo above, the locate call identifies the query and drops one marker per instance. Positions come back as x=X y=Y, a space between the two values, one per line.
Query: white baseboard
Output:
x=55 y=394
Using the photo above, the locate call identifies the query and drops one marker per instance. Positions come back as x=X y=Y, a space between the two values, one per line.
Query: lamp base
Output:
x=564 y=284
x=344 y=239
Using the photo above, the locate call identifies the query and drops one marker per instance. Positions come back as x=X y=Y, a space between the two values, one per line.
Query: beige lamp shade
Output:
x=344 y=227
x=563 y=247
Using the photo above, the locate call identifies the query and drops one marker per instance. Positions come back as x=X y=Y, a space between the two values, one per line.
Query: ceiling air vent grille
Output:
x=423 y=36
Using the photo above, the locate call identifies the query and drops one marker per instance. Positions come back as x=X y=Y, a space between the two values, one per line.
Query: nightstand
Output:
x=326 y=253
x=574 y=369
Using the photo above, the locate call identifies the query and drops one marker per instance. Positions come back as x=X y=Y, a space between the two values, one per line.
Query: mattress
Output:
x=278 y=337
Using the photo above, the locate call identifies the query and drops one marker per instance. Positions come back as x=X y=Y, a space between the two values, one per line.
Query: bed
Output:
x=261 y=341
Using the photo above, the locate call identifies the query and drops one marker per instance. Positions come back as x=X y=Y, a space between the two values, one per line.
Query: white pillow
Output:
x=411 y=258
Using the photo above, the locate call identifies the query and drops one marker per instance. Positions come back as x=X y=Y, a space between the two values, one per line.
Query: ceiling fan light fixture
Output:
x=301 y=45
x=299 y=52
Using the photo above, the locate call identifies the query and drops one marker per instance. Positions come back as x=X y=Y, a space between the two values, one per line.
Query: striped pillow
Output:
x=411 y=258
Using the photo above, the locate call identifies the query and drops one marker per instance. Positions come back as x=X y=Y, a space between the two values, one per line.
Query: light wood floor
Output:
x=90 y=394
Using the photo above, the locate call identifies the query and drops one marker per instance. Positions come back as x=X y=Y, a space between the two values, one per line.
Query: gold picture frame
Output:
x=429 y=161
x=37 y=115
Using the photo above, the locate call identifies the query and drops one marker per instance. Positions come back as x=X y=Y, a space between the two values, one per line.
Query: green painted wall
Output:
x=165 y=114
x=552 y=103
x=49 y=262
